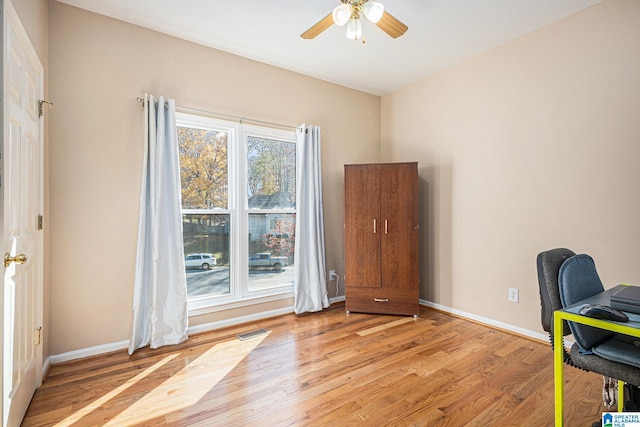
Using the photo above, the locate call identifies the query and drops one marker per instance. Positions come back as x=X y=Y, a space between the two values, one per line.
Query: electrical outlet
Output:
x=332 y=275
x=513 y=294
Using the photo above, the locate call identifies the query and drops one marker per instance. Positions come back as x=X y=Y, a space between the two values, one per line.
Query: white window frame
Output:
x=240 y=295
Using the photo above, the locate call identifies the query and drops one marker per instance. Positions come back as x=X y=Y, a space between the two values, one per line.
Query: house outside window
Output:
x=239 y=207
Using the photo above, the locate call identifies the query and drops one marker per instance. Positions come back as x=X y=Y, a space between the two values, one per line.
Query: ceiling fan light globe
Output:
x=373 y=10
x=342 y=14
x=354 y=29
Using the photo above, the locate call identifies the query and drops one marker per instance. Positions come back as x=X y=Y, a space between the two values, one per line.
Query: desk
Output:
x=571 y=313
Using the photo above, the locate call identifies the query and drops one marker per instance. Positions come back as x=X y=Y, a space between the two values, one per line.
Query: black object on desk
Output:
x=627 y=298
x=600 y=311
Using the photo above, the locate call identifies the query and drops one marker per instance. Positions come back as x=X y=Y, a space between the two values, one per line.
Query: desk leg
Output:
x=558 y=377
x=620 y=396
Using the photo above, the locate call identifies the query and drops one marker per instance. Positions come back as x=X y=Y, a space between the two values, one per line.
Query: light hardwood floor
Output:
x=324 y=369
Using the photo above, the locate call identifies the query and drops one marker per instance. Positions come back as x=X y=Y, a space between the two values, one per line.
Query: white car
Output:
x=203 y=261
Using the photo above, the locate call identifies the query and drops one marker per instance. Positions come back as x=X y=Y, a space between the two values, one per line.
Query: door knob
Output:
x=18 y=259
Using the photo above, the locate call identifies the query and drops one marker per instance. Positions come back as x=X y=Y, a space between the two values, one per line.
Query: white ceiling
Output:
x=441 y=33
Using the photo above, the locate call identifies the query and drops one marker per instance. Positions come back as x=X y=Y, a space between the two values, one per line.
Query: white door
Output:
x=21 y=198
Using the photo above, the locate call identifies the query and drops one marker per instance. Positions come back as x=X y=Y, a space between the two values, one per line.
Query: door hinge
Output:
x=41 y=106
x=40 y=222
x=37 y=336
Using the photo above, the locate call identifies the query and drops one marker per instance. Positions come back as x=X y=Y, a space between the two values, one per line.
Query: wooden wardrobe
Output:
x=381 y=238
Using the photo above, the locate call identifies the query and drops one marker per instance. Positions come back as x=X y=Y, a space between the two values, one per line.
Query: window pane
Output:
x=203 y=168
x=271 y=250
x=206 y=248
x=271 y=178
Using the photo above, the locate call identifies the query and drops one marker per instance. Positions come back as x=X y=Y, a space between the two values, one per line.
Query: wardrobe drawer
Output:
x=382 y=301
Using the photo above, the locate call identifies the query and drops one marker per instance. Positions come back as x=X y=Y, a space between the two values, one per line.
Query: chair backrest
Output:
x=549 y=263
x=578 y=279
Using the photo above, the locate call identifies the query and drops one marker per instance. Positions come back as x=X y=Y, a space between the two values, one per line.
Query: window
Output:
x=238 y=210
x=271 y=199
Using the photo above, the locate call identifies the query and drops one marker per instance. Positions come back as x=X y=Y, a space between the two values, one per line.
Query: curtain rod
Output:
x=238 y=118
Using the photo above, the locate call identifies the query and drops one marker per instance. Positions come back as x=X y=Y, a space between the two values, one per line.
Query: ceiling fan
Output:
x=350 y=12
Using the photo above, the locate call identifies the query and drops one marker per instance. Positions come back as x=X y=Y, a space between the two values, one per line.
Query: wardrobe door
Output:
x=399 y=237
x=362 y=225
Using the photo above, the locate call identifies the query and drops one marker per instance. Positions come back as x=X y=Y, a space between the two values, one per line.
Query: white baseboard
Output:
x=205 y=327
x=123 y=345
x=45 y=367
x=88 y=352
x=336 y=299
x=489 y=322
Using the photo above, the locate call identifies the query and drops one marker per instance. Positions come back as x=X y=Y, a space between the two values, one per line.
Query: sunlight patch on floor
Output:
x=188 y=386
x=386 y=326
x=75 y=417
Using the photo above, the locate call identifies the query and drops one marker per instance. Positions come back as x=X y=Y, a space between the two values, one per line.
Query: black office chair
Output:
x=580 y=281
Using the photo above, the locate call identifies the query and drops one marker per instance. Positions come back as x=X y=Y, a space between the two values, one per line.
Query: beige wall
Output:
x=526 y=147
x=98 y=68
x=530 y=146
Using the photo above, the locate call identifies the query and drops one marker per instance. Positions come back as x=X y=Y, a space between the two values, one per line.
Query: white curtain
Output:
x=160 y=291
x=309 y=283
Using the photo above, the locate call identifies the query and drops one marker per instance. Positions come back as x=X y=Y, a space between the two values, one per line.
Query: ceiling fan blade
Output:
x=391 y=25
x=322 y=25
